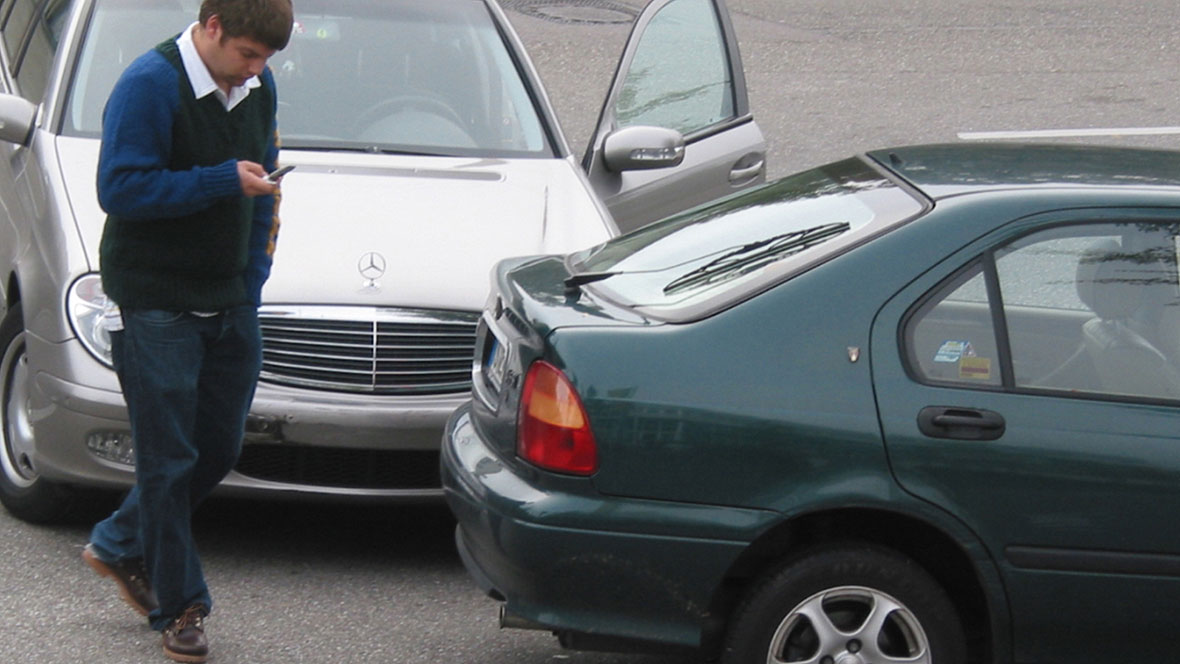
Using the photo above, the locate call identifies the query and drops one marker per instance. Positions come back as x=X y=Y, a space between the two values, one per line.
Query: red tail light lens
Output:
x=553 y=431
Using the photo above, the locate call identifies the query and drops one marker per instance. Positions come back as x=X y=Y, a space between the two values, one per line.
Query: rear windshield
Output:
x=705 y=259
x=368 y=75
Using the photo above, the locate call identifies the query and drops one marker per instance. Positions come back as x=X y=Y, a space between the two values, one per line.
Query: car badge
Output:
x=372 y=267
x=853 y=354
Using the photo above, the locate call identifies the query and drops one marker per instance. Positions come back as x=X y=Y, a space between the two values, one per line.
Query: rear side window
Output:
x=1088 y=309
x=952 y=337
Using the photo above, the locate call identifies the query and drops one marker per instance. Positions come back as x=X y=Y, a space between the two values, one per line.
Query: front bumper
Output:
x=568 y=559
x=299 y=442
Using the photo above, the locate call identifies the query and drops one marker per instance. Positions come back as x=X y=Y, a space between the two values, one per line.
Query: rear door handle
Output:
x=960 y=423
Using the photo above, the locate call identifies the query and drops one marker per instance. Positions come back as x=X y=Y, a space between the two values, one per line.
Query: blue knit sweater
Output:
x=180 y=234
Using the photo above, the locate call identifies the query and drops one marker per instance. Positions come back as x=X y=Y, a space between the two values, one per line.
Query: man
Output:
x=189 y=135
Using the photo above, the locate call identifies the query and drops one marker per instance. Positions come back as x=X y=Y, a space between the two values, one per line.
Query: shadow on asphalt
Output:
x=412 y=531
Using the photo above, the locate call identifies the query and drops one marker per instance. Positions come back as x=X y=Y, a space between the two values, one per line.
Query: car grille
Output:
x=368 y=350
x=341 y=468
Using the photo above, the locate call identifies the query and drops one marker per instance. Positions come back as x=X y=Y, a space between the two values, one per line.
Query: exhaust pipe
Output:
x=510 y=621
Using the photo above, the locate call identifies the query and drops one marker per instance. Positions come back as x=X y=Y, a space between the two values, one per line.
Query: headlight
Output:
x=84 y=305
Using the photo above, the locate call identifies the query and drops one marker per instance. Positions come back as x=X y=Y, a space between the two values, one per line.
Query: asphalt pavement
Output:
x=337 y=583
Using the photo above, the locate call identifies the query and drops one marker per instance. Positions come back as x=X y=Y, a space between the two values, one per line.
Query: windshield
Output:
x=369 y=75
x=717 y=255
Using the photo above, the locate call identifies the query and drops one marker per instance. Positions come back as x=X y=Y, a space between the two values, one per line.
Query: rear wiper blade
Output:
x=754 y=255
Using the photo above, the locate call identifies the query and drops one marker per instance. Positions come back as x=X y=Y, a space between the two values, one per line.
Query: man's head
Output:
x=235 y=38
x=267 y=22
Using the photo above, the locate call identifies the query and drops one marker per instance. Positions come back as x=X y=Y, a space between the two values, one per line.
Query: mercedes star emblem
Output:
x=371 y=267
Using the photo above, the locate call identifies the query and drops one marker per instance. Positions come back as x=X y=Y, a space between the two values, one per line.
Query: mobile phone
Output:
x=273 y=176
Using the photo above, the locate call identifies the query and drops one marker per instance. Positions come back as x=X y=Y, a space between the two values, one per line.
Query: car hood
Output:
x=395 y=230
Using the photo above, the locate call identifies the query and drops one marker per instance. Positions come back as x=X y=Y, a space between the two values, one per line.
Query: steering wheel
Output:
x=389 y=106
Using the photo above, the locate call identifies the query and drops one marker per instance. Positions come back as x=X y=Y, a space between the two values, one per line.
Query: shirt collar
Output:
x=200 y=78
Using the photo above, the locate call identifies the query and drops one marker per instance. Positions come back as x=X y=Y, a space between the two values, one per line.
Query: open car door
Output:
x=676 y=128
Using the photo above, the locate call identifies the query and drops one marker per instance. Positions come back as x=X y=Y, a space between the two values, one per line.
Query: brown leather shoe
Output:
x=131 y=577
x=184 y=637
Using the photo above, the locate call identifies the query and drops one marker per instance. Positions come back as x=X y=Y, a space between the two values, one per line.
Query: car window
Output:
x=19 y=16
x=34 y=68
x=680 y=76
x=721 y=253
x=951 y=338
x=398 y=76
x=1087 y=308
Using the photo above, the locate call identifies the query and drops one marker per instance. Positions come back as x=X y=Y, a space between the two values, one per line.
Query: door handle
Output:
x=747 y=169
x=958 y=423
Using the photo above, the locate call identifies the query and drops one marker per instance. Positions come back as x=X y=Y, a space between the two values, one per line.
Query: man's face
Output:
x=231 y=61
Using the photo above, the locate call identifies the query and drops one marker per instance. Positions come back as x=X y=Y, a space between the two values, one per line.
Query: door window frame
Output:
x=985 y=260
x=607 y=122
x=16 y=51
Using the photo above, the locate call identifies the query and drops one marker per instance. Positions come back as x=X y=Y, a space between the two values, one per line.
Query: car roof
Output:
x=953 y=169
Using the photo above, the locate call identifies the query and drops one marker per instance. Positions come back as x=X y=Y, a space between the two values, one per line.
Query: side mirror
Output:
x=641 y=148
x=17 y=116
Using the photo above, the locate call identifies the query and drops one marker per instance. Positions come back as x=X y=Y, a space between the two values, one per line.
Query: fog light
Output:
x=115 y=446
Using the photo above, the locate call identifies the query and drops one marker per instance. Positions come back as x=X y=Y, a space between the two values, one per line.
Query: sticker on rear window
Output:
x=951 y=351
x=975 y=368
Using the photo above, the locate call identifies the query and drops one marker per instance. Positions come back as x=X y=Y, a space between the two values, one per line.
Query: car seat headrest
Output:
x=1110 y=282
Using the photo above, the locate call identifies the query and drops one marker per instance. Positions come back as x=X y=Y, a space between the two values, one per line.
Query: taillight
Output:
x=553 y=431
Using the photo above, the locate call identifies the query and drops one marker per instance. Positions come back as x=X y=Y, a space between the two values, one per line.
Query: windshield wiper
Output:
x=377 y=149
x=754 y=255
x=330 y=146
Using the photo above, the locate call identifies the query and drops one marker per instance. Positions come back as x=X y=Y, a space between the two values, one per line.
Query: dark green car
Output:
x=922 y=405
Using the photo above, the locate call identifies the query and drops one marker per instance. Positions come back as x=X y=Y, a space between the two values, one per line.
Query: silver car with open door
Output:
x=425 y=151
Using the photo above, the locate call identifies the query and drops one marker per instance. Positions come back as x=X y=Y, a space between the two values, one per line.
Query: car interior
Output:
x=1137 y=318
x=402 y=77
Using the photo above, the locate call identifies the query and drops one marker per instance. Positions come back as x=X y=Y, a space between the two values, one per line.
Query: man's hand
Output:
x=253 y=179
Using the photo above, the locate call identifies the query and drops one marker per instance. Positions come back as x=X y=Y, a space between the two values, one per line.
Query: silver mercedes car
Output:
x=425 y=150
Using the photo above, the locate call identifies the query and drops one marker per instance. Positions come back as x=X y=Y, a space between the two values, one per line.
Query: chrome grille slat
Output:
x=288 y=341
x=304 y=359
x=336 y=371
x=315 y=359
x=368 y=349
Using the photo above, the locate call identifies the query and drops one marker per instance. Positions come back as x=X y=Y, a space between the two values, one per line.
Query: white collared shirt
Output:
x=202 y=81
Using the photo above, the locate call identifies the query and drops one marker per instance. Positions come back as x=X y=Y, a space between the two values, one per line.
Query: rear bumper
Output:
x=577 y=562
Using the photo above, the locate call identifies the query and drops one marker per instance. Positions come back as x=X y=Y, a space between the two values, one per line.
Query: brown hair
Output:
x=265 y=21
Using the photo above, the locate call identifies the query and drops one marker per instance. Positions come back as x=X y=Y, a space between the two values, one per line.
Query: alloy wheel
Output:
x=849 y=625
x=15 y=462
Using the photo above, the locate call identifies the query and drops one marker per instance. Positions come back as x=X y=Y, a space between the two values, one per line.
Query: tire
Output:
x=25 y=494
x=849 y=603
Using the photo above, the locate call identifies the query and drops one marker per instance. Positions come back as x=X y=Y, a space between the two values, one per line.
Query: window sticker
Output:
x=951 y=351
x=975 y=368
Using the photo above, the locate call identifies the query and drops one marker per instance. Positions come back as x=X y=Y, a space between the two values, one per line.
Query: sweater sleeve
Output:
x=264 y=227
x=134 y=181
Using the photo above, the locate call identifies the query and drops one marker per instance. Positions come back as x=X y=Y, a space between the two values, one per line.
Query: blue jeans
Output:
x=188 y=382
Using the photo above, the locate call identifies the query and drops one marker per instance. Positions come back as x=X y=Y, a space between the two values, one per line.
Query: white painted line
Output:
x=1066 y=133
